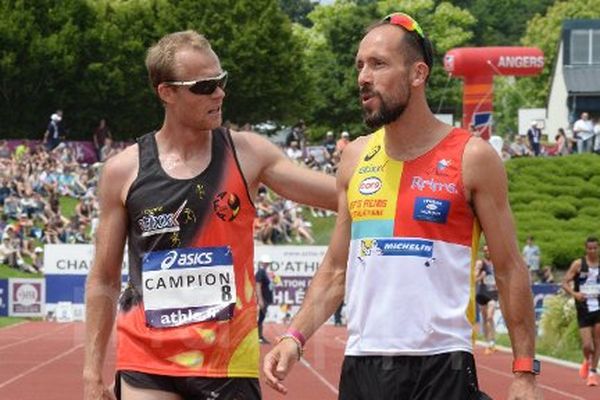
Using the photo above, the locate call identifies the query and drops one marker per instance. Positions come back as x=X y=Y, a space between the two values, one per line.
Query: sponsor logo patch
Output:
x=420 y=184
x=370 y=185
x=431 y=210
x=372 y=153
x=397 y=247
x=226 y=206
x=154 y=224
x=371 y=169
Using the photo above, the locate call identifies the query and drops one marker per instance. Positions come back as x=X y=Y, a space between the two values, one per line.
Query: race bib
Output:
x=590 y=290
x=189 y=285
x=489 y=280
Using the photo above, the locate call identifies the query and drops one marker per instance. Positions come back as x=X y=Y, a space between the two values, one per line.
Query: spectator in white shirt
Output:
x=584 y=129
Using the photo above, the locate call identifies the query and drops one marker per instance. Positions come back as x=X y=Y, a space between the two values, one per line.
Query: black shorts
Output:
x=448 y=376
x=192 y=387
x=587 y=319
x=483 y=298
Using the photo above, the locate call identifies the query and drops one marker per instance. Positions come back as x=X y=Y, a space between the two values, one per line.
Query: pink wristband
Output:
x=297 y=334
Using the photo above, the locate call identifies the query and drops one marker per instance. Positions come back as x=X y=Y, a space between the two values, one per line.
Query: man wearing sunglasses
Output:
x=182 y=198
x=412 y=198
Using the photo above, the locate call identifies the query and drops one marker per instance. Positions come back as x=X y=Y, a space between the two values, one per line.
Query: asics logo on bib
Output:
x=186 y=260
x=422 y=184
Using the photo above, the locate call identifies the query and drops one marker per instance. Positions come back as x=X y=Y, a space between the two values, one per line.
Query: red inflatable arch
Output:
x=477 y=66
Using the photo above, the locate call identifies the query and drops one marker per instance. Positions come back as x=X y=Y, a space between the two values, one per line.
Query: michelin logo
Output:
x=404 y=247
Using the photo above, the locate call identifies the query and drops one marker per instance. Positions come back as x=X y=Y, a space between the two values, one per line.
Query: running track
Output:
x=43 y=360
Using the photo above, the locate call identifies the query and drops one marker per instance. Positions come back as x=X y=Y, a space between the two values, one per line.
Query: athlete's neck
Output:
x=414 y=133
x=592 y=261
x=183 y=141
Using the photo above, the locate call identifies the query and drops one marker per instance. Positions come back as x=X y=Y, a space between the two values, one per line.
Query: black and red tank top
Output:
x=189 y=308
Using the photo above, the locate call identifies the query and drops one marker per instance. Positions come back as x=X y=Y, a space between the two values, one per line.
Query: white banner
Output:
x=71 y=259
x=291 y=272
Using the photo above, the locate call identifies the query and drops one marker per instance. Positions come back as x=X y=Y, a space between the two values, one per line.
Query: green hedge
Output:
x=557 y=200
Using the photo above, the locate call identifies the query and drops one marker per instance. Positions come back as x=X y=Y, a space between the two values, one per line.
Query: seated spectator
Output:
x=294 y=152
x=4 y=150
x=37 y=262
x=11 y=256
x=50 y=235
x=329 y=142
x=107 y=151
x=12 y=207
x=302 y=230
x=81 y=236
x=547 y=275
x=342 y=142
x=519 y=149
x=4 y=190
x=84 y=209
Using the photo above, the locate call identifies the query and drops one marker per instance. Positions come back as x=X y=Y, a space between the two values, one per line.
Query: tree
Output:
x=40 y=61
x=298 y=10
x=88 y=59
x=503 y=24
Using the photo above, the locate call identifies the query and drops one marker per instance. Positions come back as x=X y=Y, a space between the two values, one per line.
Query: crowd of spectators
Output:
x=33 y=180
x=34 y=177
x=584 y=137
x=38 y=180
x=282 y=221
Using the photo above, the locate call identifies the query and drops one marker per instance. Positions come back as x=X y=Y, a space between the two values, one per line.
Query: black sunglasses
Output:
x=204 y=86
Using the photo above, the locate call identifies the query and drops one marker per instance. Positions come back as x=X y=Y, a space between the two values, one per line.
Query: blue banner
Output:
x=3 y=297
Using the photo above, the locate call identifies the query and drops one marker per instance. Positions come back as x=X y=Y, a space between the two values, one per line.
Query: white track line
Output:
x=33 y=338
x=9 y=327
x=541 y=386
x=318 y=375
x=21 y=375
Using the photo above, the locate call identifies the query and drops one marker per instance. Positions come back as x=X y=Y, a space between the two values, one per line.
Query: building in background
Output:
x=576 y=76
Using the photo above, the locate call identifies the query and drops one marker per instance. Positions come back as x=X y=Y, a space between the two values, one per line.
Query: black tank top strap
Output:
x=147 y=153
x=584 y=265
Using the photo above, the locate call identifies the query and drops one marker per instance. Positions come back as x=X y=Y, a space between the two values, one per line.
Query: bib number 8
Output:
x=226 y=293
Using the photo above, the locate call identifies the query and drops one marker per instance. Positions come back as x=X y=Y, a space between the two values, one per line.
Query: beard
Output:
x=389 y=110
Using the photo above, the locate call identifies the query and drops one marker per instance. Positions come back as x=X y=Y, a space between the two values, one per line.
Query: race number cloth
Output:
x=186 y=286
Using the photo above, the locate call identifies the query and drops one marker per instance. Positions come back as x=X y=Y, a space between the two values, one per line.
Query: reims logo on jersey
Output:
x=370 y=185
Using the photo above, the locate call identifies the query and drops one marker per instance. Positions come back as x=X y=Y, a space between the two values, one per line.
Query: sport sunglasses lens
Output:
x=405 y=21
x=209 y=86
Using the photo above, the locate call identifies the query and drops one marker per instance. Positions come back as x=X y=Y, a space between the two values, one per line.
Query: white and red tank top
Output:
x=410 y=280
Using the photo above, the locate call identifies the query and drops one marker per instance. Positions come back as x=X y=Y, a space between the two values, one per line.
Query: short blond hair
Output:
x=160 y=59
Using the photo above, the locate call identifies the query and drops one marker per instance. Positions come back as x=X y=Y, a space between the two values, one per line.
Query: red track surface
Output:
x=43 y=360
